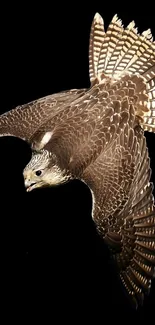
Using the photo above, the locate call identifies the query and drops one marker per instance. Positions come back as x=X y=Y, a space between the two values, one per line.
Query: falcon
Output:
x=97 y=135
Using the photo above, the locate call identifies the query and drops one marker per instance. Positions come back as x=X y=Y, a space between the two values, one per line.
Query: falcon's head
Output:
x=42 y=171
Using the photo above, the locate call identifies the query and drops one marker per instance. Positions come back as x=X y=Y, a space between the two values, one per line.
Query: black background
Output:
x=52 y=261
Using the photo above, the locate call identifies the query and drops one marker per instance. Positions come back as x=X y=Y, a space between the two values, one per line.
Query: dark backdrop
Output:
x=51 y=256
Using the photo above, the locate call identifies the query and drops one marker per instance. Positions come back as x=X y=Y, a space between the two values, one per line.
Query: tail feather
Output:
x=120 y=51
x=108 y=46
x=96 y=39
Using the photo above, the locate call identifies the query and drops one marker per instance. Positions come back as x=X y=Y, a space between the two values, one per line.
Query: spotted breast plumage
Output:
x=97 y=135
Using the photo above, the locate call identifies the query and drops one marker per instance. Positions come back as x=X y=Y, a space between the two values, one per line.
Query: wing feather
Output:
x=124 y=212
x=24 y=121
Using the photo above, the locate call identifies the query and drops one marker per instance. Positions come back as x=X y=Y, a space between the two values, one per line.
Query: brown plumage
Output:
x=97 y=136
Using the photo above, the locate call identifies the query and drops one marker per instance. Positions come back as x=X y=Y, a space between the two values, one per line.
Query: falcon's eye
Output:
x=38 y=172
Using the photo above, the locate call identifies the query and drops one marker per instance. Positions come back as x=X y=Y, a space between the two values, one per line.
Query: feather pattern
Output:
x=97 y=135
x=24 y=121
x=122 y=51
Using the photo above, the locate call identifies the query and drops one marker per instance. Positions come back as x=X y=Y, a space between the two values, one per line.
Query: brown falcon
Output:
x=97 y=135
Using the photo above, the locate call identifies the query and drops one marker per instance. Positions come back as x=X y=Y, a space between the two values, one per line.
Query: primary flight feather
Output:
x=97 y=135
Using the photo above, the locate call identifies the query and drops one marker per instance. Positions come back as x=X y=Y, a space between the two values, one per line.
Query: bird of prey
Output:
x=97 y=135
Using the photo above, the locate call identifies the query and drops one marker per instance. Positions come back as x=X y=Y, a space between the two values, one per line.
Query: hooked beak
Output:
x=31 y=186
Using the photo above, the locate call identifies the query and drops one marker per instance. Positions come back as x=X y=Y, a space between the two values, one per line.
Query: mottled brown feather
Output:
x=97 y=136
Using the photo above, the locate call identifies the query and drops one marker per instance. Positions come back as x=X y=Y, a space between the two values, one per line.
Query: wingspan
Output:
x=23 y=121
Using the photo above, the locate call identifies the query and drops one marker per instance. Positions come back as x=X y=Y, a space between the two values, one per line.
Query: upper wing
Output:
x=82 y=127
x=123 y=208
x=23 y=121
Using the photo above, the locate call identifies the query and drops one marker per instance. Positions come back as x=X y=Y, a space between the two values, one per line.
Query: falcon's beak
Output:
x=28 y=185
x=31 y=185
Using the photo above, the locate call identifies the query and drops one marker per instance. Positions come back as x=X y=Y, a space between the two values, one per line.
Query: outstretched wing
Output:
x=123 y=208
x=23 y=121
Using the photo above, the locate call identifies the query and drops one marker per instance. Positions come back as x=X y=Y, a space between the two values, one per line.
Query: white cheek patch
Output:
x=45 y=139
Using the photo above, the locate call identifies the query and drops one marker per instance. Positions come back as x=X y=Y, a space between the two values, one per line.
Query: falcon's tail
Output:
x=119 y=51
